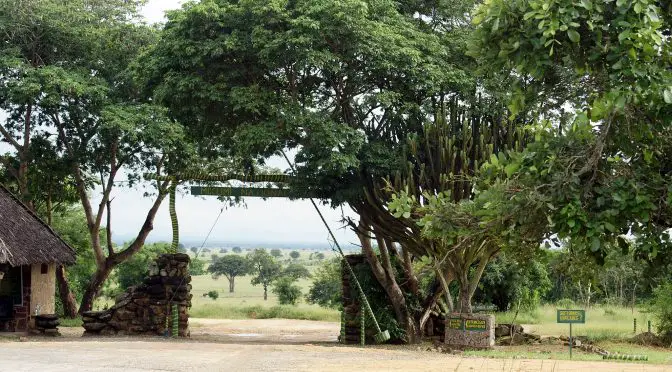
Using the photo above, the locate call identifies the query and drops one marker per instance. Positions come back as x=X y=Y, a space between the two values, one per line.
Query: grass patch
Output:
x=558 y=352
x=602 y=322
x=221 y=311
x=66 y=322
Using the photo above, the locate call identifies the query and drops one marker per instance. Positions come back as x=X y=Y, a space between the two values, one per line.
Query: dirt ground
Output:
x=255 y=345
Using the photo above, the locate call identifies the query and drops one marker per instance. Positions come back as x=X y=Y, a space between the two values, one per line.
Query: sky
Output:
x=273 y=221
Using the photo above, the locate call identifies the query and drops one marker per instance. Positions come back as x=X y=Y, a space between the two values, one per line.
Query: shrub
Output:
x=236 y=250
x=213 y=294
x=326 y=288
x=288 y=293
x=565 y=303
x=294 y=255
x=196 y=266
x=661 y=309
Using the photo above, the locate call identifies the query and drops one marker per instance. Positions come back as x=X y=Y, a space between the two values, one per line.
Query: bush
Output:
x=294 y=255
x=661 y=309
x=288 y=293
x=197 y=266
x=565 y=303
x=213 y=294
x=236 y=250
x=134 y=270
x=327 y=287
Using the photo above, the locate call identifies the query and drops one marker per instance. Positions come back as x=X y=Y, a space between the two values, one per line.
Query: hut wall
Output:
x=43 y=288
x=21 y=314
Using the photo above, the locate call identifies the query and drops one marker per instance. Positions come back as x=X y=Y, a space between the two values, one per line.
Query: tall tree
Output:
x=64 y=74
x=345 y=81
x=264 y=268
x=230 y=266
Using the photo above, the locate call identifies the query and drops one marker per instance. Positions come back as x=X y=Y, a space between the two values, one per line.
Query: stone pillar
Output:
x=470 y=330
x=146 y=309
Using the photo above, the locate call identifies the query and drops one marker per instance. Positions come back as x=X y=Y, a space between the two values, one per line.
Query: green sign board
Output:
x=455 y=323
x=474 y=324
x=467 y=324
x=571 y=316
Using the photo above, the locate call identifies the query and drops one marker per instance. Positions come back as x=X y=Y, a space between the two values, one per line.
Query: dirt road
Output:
x=255 y=345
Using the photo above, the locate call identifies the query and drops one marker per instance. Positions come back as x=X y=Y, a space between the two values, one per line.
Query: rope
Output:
x=381 y=336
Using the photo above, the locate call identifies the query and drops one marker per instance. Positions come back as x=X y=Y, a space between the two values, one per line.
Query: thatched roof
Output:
x=25 y=239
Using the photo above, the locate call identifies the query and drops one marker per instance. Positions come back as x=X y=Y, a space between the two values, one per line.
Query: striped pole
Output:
x=362 y=328
x=173 y=219
x=176 y=321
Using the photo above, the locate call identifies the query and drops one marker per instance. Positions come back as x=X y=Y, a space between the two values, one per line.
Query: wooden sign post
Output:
x=571 y=317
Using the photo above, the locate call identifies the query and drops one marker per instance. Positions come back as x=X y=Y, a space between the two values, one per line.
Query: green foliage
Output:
x=288 y=293
x=295 y=95
x=616 y=61
x=134 y=270
x=296 y=271
x=326 y=288
x=197 y=266
x=230 y=266
x=661 y=308
x=319 y=256
x=264 y=268
x=70 y=224
x=510 y=285
x=294 y=255
x=236 y=250
x=275 y=252
x=224 y=251
x=213 y=294
x=565 y=303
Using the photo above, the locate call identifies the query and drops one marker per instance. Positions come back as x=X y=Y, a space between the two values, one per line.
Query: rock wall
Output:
x=142 y=309
x=470 y=330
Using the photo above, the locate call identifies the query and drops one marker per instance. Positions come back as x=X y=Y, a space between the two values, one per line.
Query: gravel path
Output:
x=255 y=345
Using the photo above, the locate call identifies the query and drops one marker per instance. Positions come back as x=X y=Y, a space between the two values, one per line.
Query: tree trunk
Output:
x=385 y=275
x=93 y=289
x=465 y=299
x=231 y=284
x=67 y=298
x=265 y=292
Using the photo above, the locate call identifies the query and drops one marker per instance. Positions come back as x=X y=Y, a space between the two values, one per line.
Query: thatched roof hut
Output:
x=25 y=239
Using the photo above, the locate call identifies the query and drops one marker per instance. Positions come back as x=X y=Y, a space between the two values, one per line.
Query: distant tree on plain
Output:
x=294 y=255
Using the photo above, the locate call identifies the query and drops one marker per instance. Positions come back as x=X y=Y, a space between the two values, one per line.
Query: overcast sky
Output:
x=275 y=220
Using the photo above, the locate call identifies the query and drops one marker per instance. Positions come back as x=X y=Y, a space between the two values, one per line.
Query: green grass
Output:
x=602 y=322
x=248 y=301
x=304 y=312
x=557 y=352
x=65 y=322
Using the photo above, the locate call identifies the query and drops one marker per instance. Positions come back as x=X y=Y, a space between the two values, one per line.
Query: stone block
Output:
x=94 y=327
x=470 y=331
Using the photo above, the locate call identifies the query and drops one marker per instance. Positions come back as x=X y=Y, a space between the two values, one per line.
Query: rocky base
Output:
x=47 y=325
x=470 y=331
x=143 y=309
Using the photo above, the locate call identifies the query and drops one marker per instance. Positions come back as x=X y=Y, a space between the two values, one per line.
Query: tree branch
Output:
x=147 y=227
